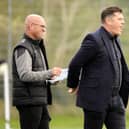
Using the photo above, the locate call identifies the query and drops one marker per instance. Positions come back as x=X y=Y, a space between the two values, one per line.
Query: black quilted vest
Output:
x=31 y=93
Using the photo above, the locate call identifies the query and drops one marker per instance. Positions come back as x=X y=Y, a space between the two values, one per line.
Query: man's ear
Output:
x=108 y=20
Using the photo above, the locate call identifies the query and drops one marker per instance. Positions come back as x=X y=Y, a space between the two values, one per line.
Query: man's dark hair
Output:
x=109 y=12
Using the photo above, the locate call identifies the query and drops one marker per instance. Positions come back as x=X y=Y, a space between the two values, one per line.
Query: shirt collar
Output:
x=109 y=34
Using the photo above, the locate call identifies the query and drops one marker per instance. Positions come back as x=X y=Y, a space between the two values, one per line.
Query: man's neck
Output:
x=108 y=30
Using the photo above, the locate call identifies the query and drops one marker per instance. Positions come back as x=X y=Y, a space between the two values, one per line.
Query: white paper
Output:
x=62 y=76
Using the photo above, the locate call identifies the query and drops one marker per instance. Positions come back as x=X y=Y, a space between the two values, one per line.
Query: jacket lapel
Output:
x=119 y=47
x=106 y=42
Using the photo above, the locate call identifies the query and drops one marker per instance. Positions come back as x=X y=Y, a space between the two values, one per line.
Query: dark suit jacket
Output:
x=93 y=70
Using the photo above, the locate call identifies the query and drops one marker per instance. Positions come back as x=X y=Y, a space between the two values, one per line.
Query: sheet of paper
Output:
x=61 y=77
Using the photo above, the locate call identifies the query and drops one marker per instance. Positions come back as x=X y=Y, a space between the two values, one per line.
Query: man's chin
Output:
x=39 y=38
x=118 y=34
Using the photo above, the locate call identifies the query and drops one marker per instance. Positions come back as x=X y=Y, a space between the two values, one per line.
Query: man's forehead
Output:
x=35 y=18
x=118 y=14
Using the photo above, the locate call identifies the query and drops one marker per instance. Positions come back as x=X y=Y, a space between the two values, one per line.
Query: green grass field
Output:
x=59 y=121
x=63 y=117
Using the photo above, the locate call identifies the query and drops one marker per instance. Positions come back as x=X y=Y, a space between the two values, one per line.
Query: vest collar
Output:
x=35 y=42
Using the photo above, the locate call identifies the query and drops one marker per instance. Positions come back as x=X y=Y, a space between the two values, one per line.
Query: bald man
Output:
x=30 y=72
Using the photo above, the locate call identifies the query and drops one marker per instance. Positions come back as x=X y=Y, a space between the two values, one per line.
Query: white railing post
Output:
x=7 y=98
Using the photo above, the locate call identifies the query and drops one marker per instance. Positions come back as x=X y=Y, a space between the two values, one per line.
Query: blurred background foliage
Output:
x=68 y=21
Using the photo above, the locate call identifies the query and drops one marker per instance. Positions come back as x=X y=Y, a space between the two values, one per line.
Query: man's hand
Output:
x=73 y=90
x=56 y=71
